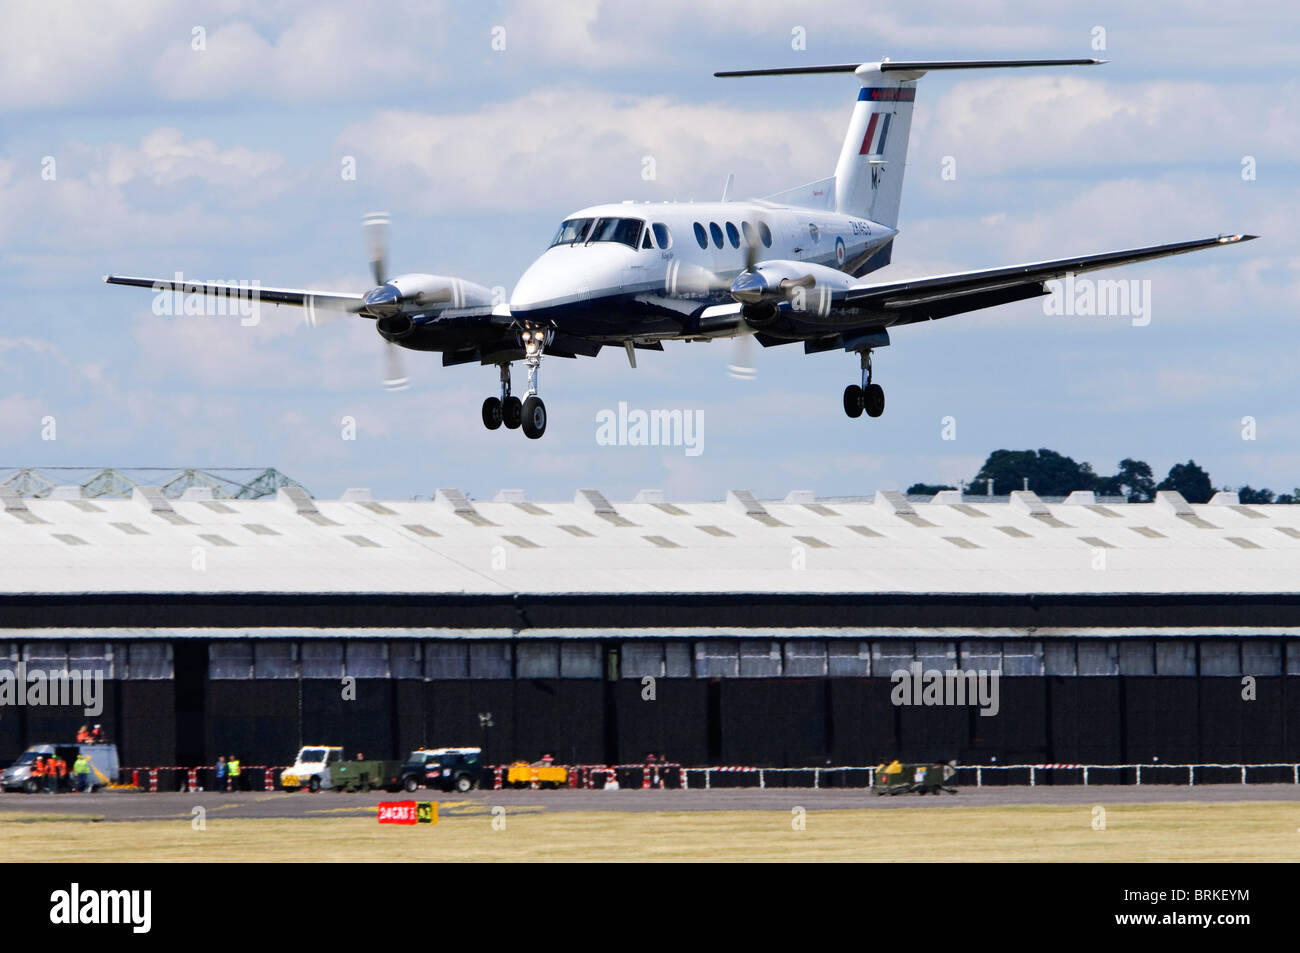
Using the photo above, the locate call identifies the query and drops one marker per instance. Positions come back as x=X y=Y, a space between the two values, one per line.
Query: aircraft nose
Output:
x=384 y=300
x=748 y=287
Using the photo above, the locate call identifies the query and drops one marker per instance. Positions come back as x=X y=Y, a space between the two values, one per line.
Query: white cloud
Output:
x=556 y=148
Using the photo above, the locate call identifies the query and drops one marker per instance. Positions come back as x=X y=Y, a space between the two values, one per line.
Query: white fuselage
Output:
x=589 y=286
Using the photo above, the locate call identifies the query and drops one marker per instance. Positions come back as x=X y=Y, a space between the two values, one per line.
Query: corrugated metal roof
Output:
x=293 y=544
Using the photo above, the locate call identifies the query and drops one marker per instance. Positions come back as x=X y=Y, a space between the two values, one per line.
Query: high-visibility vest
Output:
x=81 y=765
x=38 y=768
x=233 y=767
x=61 y=767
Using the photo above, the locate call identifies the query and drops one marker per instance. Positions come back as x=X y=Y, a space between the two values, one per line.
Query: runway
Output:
x=131 y=806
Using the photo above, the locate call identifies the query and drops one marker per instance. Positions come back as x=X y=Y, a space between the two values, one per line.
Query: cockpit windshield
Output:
x=572 y=230
x=626 y=231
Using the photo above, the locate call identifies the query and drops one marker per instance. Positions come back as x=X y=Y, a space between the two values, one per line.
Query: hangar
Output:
x=1123 y=632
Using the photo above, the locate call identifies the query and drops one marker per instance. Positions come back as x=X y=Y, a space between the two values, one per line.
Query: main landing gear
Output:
x=869 y=397
x=530 y=413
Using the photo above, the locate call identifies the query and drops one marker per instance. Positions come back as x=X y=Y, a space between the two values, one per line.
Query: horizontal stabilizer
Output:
x=906 y=66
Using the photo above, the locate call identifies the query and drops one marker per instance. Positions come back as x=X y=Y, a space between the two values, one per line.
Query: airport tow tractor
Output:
x=897 y=778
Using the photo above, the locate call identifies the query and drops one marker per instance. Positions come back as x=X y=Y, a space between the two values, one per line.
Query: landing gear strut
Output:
x=869 y=397
x=534 y=411
x=530 y=413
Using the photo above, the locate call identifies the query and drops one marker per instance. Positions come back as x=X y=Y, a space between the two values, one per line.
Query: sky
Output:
x=145 y=138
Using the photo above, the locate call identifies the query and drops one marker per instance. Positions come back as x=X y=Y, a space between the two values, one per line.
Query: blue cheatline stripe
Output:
x=884 y=131
x=888 y=94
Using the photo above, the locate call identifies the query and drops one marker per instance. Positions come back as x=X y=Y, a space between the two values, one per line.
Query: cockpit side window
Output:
x=645 y=241
x=626 y=231
x=663 y=237
x=572 y=230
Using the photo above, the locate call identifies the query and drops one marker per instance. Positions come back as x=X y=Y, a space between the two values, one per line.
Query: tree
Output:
x=1248 y=495
x=1134 y=481
x=926 y=489
x=1293 y=497
x=1189 y=480
x=1049 y=473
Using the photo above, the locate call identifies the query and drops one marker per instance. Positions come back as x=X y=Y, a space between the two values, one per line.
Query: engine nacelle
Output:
x=807 y=287
x=434 y=292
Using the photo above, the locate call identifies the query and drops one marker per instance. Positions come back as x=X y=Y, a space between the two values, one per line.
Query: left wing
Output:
x=311 y=300
x=922 y=299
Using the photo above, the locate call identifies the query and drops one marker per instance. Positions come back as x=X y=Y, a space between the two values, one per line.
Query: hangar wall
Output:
x=716 y=701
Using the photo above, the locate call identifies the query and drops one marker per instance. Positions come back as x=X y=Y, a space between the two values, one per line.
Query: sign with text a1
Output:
x=408 y=812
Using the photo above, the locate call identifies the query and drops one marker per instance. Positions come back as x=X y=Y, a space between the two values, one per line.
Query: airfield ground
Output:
x=1221 y=823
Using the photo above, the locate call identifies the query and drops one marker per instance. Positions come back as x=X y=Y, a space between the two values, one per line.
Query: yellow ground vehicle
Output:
x=542 y=773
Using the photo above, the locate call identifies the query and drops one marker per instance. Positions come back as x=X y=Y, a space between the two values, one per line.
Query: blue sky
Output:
x=225 y=163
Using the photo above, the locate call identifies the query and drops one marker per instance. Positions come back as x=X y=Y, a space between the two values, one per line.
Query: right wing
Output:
x=921 y=299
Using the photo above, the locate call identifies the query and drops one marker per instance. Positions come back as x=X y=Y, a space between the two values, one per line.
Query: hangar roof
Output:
x=295 y=544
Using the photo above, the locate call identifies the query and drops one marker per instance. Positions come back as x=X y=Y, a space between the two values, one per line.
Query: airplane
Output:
x=784 y=269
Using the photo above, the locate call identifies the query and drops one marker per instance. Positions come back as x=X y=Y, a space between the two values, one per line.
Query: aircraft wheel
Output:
x=873 y=400
x=492 y=413
x=511 y=412
x=853 y=400
x=534 y=418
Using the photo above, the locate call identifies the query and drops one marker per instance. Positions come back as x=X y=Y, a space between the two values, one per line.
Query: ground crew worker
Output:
x=81 y=774
x=38 y=771
x=232 y=766
x=96 y=735
x=83 y=735
x=60 y=773
x=221 y=772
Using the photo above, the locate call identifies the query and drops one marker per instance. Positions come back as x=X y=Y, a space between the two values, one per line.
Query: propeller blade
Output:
x=751 y=254
x=376 y=228
x=394 y=368
x=742 y=357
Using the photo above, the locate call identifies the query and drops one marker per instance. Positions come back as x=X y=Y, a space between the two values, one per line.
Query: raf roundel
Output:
x=839 y=250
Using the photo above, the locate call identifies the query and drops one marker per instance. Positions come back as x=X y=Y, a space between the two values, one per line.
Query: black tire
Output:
x=853 y=400
x=411 y=785
x=873 y=400
x=313 y=784
x=30 y=786
x=512 y=412
x=465 y=783
x=492 y=413
x=534 y=421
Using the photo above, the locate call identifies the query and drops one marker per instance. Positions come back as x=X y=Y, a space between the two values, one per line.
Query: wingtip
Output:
x=1097 y=62
x=1234 y=239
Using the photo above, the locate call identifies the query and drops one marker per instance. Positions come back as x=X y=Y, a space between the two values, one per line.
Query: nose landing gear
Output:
x=530 y=413
x=869 y=397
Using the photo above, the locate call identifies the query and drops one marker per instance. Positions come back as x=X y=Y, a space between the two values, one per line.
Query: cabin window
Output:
x=701 y=236
x=765 y=233
x=716 y=232
x=663 y=237
x=733 y=236
x=572 y=230
x=748 y=230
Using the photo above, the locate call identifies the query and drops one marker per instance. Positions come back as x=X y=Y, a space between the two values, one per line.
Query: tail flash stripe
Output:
x=871 y=131
x=888 y=94
x=884 y=131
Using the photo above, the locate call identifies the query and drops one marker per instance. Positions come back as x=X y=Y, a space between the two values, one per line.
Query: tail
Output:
x=868 y=178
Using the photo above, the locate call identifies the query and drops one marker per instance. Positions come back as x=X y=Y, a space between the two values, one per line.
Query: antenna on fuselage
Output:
x=726 y=189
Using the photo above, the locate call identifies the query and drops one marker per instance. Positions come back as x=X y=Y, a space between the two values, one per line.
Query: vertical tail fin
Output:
x=869 y=174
